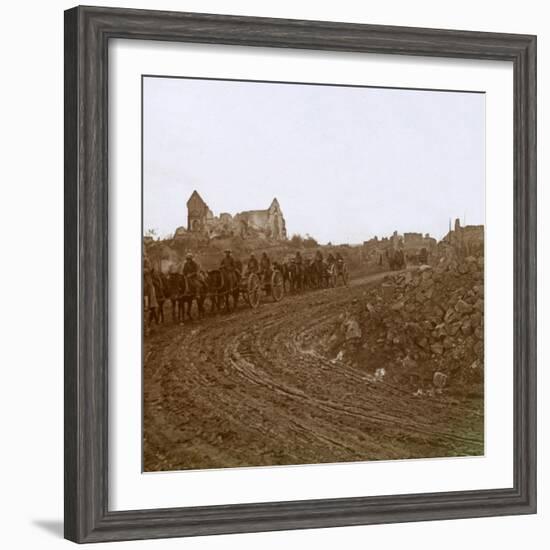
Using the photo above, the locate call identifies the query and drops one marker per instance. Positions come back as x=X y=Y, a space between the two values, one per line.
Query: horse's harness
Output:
x=218 y=291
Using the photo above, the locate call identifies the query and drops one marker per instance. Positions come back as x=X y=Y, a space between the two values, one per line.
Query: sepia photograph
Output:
x=313 y=273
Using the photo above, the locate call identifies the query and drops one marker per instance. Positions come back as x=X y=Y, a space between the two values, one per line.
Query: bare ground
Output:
x=252 y=388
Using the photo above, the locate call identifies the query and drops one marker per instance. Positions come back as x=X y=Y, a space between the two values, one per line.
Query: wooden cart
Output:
x=252 y=288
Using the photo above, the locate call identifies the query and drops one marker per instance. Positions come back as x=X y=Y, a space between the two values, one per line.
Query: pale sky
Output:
x=345 y=163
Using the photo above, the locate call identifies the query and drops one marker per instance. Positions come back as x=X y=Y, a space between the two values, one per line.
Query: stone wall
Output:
x=466 y=240
x=425 y=326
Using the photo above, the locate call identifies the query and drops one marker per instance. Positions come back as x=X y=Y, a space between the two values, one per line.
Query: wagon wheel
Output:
x=253 y=290
x=277 y=286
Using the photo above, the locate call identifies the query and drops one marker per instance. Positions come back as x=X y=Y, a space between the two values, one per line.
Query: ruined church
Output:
x=269 y=223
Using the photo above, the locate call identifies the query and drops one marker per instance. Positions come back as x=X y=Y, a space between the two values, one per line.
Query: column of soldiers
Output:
x=159 y=287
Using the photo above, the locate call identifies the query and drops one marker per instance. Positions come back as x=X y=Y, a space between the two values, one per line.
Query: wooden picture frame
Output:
x=87 y=34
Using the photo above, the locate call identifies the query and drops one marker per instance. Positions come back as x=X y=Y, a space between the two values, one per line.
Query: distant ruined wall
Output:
x=418 y=240
x=410 y=242
x=466 y=241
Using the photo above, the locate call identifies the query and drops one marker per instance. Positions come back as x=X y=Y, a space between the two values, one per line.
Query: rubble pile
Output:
x=424 y=328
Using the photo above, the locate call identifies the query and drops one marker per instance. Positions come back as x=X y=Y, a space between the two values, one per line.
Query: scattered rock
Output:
x=463 y=307
x=379 y=374
x=437 y=348
x=448 y=342
x=353 y=330
x=440 y=331
x=423 y=343
x=453 y=328
x=439 y=379
x=466 y=327
x=450 y=315
x=420 y=322
x=409 y=364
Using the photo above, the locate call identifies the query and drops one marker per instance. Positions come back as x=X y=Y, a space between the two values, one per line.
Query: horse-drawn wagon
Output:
x=253 y=285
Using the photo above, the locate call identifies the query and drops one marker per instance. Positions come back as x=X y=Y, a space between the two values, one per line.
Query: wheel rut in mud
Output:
x=254 y=388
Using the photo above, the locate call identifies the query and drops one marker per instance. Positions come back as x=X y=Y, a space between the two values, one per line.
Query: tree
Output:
x=298 y=241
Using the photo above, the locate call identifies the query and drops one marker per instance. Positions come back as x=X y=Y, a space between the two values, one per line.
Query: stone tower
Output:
x=276 y=221
x=197 y=213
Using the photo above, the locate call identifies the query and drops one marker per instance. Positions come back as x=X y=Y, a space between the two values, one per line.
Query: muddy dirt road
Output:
x=252 y=388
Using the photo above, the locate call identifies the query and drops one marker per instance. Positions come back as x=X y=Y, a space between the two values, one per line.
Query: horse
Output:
x=283 y=268
x=295 y=276
x=309 y=280
x=172 y=293
x=181 y=298
x=315 y=273
x=192 y=288
x=221 y=284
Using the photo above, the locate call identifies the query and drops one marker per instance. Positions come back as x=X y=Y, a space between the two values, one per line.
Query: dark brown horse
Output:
x=314 y=274
x=221 y=285
x=308 y=274
x=283 y=268
x=296 y=276
x=192 y=288
x=172 y=293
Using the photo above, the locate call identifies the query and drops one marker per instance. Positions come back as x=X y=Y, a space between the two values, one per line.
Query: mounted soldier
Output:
x=229 y=282
x=228 y=262
x=231 y=267
x=299 y=271
x=252 y=266
x=318 y=274
x=265 y=267
x=190 y=267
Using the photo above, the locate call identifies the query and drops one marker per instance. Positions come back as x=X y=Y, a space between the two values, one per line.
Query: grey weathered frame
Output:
x=87 y=34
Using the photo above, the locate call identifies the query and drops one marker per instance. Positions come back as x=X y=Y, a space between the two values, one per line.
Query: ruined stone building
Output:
x=465 y=240
x=198 y=214
x=269 y=223
x=416 y=241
